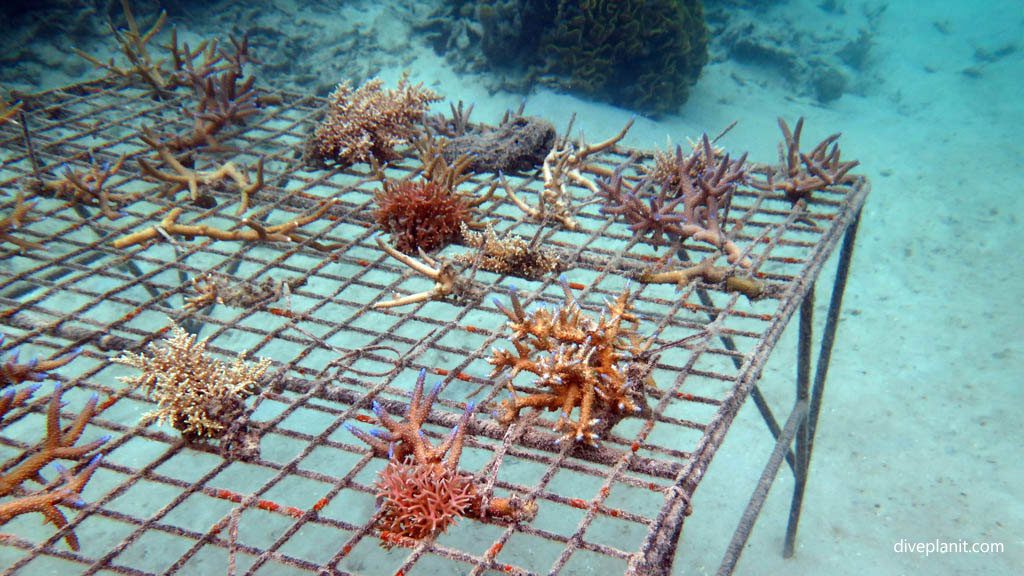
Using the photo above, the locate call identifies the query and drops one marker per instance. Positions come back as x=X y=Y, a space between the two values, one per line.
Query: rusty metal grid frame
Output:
x=306 y=505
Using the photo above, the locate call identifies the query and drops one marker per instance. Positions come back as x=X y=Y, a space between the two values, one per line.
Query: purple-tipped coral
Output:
x=13 y=372
x=421 y=491
x=59 y=444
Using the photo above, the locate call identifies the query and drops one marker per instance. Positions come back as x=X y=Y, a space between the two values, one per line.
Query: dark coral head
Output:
x=420 y=214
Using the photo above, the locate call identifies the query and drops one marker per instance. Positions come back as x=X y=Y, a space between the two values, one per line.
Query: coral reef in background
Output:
x=200 y=396
x=578 y=362
x=644 y=55
x=58 y=444
x=421 y=491
x=369 y=123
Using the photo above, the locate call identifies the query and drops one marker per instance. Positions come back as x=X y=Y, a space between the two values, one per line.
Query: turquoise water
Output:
x=920 y=426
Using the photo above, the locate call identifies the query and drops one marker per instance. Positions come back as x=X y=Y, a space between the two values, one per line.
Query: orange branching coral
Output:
x=580 y=362
x=13 y=372
x=369 y=123
x=59 y=444
x=198 y=395
x=88 y=186
x=421 y=491
x=18 y=218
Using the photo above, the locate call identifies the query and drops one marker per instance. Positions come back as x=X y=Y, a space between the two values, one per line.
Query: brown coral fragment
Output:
x=169 y=226
x=217 y=288
x=798 y=175
x=578 y=362
x=200 y=396
x=182 y=177
x=57 y=445
x=16 y=219
x=89 y=187
x=369 y=123
x=727 y=277
x=421 y=491
x=510 y=255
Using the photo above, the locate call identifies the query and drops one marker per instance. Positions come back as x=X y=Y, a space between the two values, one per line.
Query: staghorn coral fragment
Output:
x=284 y=232
x=692 y=203
x=708 y=272
x=200 y=396
x=597 y=366
x=16 y=219
x=13 y=372
x=58 y=444
x=182 y=177
x=798 y=175
x=448 y=284
x=421 y=492
x=87 y=187
x=565 y=165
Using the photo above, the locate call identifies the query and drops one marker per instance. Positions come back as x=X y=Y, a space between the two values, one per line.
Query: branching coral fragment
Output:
x=798 y=175
x=707 y=271
x=579 y=362
x=169 y=226
x=447 y=281
x=57 y=445
x=13 y=372
x=370 y=123
x=693 y=204
x=421 y=491
x=565 y=165
x=183 y=177
x=89 y=187
x=200 y=396
x=16 y=219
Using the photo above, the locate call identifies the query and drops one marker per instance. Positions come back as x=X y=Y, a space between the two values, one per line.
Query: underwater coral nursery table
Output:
x=297 y=493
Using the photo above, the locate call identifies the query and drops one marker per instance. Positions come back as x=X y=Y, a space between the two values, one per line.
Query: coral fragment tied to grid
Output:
x=421 y=491
x=578 y=362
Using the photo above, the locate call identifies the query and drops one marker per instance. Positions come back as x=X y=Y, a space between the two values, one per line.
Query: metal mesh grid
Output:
x=306 y=505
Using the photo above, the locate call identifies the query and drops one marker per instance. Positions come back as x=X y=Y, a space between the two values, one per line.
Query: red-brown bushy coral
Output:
x=421 y=214
x=422 y=491
x=423 y=499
